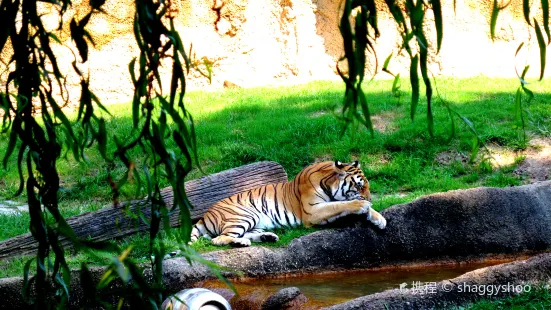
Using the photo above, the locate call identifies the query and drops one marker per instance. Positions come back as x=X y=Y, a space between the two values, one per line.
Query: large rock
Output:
x=285 y=298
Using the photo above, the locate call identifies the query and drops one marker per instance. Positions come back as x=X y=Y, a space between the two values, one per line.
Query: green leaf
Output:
x=526 y=11
x=416 y=12
x=396 y=12
x=519 y=48
x=11 y=145
x=96 y=4
x=522 y=78
x=54 y=37
x=61 y=281
x=6 y=119
x=518 y=105
x=545 y=13
x=437 y=9
x=519 y=111
x=137 y=34
x=179 y=46
x=493 y=19
x=474 y=149
x=387 y=61
x=452 y=122
x=414 y=79
x=192 y=256
x=360 y=44
x=529 y=93
x=102 y=138
x=476 y=139
x=131 y=68
x=428 y=89
x=365 y=110
x=396 y=86
x=372 y=13
x=20 y=155
x=68 y=127
x=542 y=45
x=523 y=82
x=194 y=144
x=77 y=34
x=177 y=75
x=348 y=40
x=25 y=290
x=8 y=14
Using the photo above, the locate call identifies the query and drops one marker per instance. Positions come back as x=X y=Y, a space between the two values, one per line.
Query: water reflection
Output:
x=332 y=288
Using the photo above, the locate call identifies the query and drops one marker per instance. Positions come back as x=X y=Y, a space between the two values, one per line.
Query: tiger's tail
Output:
x=197 y=231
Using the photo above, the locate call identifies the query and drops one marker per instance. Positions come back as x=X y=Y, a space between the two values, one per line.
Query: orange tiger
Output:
x=318 y=195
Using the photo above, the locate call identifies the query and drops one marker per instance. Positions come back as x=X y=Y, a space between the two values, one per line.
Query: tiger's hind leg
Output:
x=233 y=234
x=199 y=231
x=259 y=235
x=233 y=241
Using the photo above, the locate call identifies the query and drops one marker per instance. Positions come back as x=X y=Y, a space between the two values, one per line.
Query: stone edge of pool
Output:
x=519 y=276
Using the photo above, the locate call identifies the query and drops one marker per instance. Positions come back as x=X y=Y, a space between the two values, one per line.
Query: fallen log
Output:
x=115 y=222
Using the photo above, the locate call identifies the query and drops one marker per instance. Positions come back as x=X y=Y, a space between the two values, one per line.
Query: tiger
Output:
x=318 y=195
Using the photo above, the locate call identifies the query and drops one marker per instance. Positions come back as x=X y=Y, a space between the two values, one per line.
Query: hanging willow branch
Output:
x=355 y=45
x=410 y=17
x=151 y=113
x=40 y=131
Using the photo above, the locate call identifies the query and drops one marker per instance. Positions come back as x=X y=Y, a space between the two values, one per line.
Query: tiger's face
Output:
x=352 y=182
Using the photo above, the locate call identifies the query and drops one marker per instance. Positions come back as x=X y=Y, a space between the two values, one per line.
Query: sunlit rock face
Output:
x=266 y=42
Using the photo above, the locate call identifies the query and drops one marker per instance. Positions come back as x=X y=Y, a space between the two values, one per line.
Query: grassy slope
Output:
x=296 y=126
x=536 y=299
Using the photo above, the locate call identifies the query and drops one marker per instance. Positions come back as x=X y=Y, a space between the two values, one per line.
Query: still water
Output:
x=332 y=288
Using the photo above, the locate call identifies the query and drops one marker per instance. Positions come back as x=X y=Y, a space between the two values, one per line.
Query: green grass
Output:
x=296 y=126
x=140 y=245
x=535 y=299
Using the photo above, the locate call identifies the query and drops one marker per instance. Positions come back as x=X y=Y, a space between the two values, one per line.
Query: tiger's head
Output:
x=352 y=182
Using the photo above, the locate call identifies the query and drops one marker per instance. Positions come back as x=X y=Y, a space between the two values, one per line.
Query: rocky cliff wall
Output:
x=266 y=42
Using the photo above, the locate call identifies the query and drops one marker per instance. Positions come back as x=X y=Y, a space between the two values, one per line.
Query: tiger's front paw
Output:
x=354 y=196
x=380 y=222
x=364 y=207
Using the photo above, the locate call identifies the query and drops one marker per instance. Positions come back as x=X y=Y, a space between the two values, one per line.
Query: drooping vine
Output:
x=359 y=30
x=40 y=132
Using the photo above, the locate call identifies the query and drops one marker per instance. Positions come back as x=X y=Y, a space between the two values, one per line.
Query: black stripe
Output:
x=210 y=232
x=277 y=218
x=264 y=203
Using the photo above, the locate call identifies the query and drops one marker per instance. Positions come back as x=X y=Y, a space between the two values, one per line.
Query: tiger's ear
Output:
x=339 y=167
x=356 y=164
